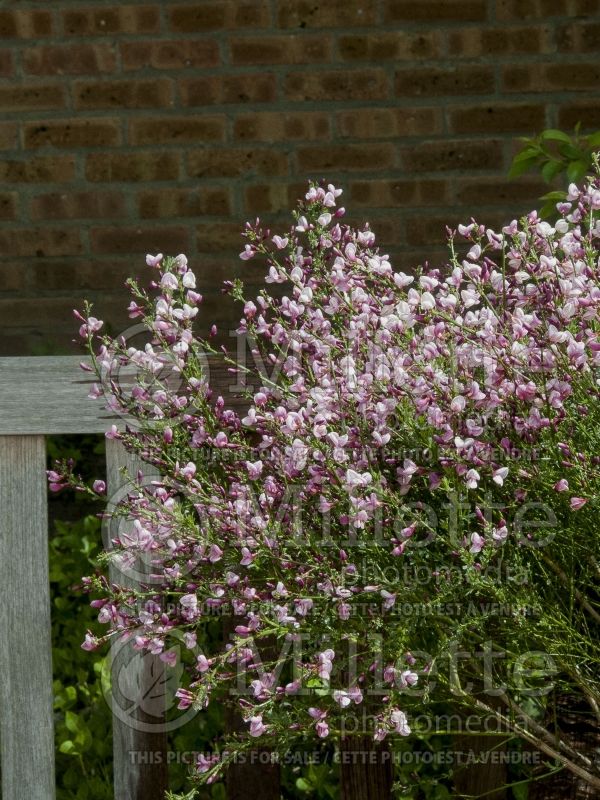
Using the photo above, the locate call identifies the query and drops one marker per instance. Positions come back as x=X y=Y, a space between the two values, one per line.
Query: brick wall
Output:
x=135 y=127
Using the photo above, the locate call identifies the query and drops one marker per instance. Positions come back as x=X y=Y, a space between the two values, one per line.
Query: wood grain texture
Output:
x=49 y=395
x=26 y=714
x=139 y=737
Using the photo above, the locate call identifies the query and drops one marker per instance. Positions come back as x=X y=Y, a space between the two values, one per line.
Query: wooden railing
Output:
x=41 y=396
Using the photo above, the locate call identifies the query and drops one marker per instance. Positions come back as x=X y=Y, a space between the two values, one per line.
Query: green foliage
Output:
x=554 y=153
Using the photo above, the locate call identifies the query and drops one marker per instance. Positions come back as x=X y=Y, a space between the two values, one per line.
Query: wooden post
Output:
x=26 y=713
x=139 y=739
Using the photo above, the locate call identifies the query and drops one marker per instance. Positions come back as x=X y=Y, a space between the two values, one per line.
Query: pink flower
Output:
x=577 y=503
x=477 y=543
x=257 y=727
x=562 y=485
x=154 y=261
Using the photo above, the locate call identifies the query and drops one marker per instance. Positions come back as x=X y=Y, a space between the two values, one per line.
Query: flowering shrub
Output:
x=416 y=443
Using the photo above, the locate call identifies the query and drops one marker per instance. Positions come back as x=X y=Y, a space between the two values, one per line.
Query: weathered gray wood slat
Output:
x=139 y=738
x=26 y=713
x=49 y=395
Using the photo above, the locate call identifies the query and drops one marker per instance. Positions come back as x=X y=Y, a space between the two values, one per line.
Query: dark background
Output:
x=129 y=128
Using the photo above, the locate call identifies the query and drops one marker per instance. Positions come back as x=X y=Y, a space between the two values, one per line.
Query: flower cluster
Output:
x=388 y=394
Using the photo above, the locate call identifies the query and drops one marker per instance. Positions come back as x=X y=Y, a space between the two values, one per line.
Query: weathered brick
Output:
x=12 y=279
x=20 y=242
x=310 y=14
x=8 y=135
x=169 y=239
x=111 y=20
x=432 y=81
x=225 y=89
x=132 y=167
x=460 y=155
x=23 y=24
x=436 y=11
x=182 y=54
x=157 y=93
x=509 y=10
x=79 y=274
x=392 y=45
x=72 y=133
x=72 y=59
x=387 y=123
x=78 y=205
x=283 y=49
x=475 y=42
x=393 y=193
x=266 y=198
x=165 y=130
x=8 y=205
x=500 y=191
x=6 y=64
x=560 y=77
x=587 y=113
x=278 y=127
x=38 y=96
x=364 y=84
x=226 y=14
x=346 y=157
x=50 y=169
x=235 y=162
x=197 y=202
x=494 y=118
x=579 y=37
x=217 y=237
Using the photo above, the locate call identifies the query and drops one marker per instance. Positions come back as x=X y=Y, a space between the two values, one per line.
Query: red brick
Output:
x=72 y=133
x=387 y=123
x=346 y=157
x=394 y=193
x=8 y=205
x=235 y=162
x=132 y=167
x=25 y=24
x=197 y=202
x=364 y=84
x=454 y=155
x=172 y=239
x=183 y=54
x=37 y=96
x=282 y=127
x=8 y=135
x=333 y=14
x=427 y=230
x=495 y=118
x=227 y=14
x=183 y=129
x=21 y=242
x=78 y=205
x=587 y=113
x=6 y=64
x=157 y=93
x=559 y=77
x=435 y=11
x=393 y=45
x=434 y=81
x=283 y=49
x=475 y=42
x=499 y=192
x=47 y=169
x=72 y=59
x=111 y=20
x=227 y=89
